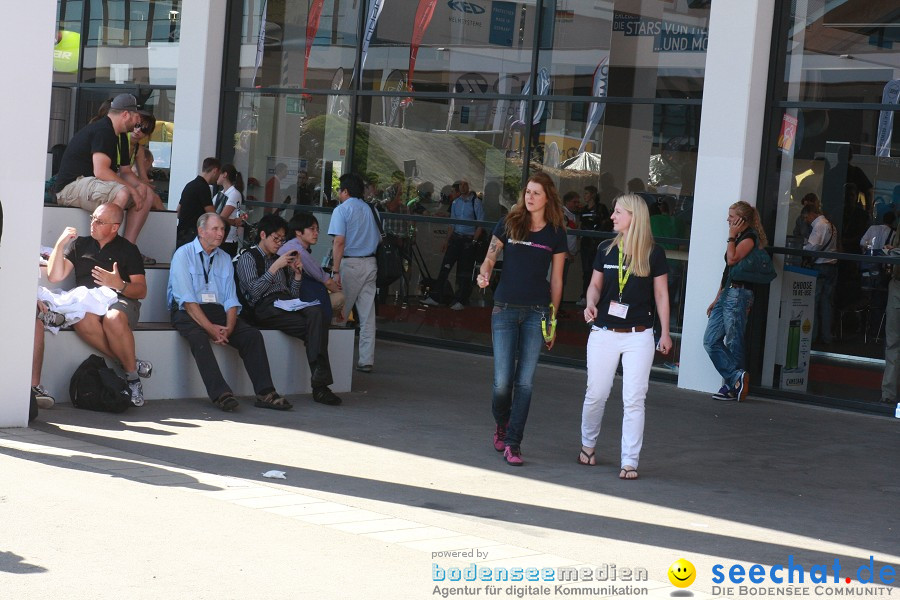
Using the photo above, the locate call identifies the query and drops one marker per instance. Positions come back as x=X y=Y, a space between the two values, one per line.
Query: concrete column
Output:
x=198 y=90
x=731 y=126
x=25 y=121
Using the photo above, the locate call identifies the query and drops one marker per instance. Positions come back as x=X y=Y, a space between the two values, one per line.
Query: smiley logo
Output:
x=682 y=573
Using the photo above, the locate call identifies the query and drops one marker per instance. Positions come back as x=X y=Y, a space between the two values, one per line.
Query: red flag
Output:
x=312 y=27
x=423 y=18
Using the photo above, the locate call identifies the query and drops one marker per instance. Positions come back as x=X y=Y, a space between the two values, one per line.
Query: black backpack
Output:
x=94 y=386
x=248 y=313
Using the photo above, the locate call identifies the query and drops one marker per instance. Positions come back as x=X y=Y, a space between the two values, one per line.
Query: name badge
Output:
x=208 y=298
x=617 y=309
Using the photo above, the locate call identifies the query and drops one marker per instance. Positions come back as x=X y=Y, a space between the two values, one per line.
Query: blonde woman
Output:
x=533 y=239
x=630 y=277
x=728 y=311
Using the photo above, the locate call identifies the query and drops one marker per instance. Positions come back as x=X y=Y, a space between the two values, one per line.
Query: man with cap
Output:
x=95 y=167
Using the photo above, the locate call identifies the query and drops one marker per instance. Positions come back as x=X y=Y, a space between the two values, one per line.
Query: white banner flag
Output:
x=371 y=21
x=601 y=77
x=886 y=119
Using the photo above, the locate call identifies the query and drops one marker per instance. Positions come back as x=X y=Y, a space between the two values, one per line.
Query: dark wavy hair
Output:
x=518 y=221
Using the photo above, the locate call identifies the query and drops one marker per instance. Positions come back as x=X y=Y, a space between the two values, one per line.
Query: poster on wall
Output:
x=798 y=304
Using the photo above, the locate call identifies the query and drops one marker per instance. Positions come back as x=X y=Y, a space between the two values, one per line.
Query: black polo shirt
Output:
x=85 y=254
x=195 y=197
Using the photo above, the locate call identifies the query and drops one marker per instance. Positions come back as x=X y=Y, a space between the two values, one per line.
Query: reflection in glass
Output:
x=445 y=46
x=651 y=50
x=290 y=148
x=132 y=42
x=841 y=51
x=298 y=44
x=429 y=144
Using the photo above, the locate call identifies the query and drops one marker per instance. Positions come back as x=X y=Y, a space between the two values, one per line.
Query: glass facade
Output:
x=418 y=94
x=105 y=48
x=833 y=135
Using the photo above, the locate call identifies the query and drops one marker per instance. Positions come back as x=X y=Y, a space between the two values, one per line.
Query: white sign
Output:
x=798 y=305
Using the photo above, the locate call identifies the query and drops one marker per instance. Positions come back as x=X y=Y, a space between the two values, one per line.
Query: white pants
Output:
x=358 y=284
x=603 y=352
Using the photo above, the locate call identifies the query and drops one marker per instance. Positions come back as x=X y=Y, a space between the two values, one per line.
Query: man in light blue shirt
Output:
x=356 y=237
x=204 y=304
x=459 y=249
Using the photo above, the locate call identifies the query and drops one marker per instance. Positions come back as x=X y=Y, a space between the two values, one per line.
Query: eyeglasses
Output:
x=99 y=222
x=277 y=239
x=144 y=128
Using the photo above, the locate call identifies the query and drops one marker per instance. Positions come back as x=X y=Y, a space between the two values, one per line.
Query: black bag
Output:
x=94 y=386
x=390 y=263
x=756 y=267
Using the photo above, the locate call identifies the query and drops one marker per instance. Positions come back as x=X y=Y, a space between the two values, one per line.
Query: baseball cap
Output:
x=126 y=102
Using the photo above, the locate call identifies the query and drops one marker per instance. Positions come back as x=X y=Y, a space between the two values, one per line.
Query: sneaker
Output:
x=742 y=386
x=144 y=368
x=429 y=301
x=323 y=395
x=457 y=306
x=500 y=438
x=722 y=394
x=137 y=392
x=52 y=318
x=728 y=396
x=513 y=456
x=42 y=396
x=364 y=368
x=582 y=302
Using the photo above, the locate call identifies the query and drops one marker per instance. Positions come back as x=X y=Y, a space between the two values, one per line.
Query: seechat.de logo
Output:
x=466 y=7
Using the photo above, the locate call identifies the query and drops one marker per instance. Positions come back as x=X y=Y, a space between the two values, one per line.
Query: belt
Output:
x=637 y=329
x=366 y=256
x=738 y=285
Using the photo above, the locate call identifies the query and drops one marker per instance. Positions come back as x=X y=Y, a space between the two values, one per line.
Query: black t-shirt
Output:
x=195 y=197
x=747 y=234
x=638 y=292
x=526 y=263
x=78 y=158
x=85 y=254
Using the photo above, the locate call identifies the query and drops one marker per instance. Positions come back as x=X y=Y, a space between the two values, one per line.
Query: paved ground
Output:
x=168 y=501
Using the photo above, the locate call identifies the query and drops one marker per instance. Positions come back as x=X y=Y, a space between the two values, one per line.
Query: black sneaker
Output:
x=722 y=394
x=323 y=395
x=42 y=396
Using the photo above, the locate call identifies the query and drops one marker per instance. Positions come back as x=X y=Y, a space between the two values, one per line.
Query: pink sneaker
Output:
x=500 y=438
x=513 y=456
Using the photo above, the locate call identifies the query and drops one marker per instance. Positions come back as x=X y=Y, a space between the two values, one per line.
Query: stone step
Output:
x=175 y=373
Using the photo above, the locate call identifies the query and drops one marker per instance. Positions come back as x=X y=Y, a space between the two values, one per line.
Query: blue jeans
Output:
x=516 y=332
x=724 y=337
x=825 y=281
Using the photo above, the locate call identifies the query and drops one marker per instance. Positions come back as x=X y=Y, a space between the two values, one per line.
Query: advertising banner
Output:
x=798 y=306
x=891 y=95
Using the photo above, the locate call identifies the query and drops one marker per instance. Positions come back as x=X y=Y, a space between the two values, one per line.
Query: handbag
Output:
x=387 y=257
x=756 y=267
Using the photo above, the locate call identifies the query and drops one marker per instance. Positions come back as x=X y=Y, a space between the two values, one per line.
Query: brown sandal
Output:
x=628 y=472
x=586 y=459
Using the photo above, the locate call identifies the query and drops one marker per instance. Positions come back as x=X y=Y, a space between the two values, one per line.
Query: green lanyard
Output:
x=548 y=337
x=622 y=280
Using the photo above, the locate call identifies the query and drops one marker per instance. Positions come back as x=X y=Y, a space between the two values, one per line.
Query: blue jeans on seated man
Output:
x=517 y=340
x=724 y=336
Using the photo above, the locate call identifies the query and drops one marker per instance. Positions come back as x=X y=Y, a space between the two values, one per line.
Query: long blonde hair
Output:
x=749 y=214
x=518 y=221
x=638 y=240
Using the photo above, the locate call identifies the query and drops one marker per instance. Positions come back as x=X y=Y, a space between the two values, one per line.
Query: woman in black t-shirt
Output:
x=630 y=276
x=728 y=311
x=532 y=237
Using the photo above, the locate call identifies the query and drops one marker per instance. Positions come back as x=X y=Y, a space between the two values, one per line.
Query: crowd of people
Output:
x=218 y=294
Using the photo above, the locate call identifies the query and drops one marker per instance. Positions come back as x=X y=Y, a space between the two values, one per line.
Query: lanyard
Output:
x=548 y=337
x=206 y=270
x=622 y=280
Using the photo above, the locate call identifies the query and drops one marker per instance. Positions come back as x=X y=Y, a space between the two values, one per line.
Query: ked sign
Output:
x=466 y=7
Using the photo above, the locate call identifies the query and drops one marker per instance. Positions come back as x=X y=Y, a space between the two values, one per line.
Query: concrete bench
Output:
x=175 y=373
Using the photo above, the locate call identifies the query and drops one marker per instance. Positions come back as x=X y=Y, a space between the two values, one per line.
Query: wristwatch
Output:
x=124 y=285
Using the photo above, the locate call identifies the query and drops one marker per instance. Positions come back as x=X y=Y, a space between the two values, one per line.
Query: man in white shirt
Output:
x=822 y=239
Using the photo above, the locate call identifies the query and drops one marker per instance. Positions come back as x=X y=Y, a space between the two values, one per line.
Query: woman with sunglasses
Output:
x=630 y=277
x=533 y=239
